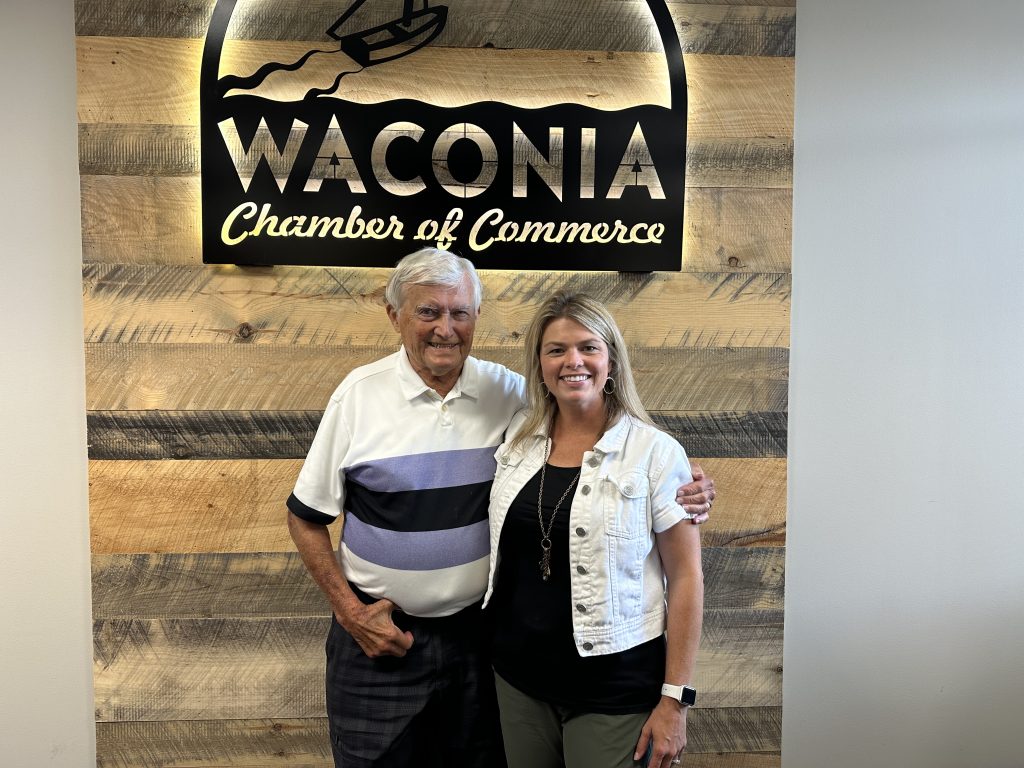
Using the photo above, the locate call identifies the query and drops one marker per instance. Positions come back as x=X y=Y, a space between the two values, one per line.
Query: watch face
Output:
x=689 y=696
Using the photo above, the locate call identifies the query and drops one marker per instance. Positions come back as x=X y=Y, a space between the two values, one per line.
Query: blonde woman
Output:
x=595 y=588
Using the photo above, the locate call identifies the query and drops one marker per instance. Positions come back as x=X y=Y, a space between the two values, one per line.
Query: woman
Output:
x=585 y=536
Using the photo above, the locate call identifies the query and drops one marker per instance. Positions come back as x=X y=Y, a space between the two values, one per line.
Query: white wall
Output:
x=905 y=577
x=46 y=710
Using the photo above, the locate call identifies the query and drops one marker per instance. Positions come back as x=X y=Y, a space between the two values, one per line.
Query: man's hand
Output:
x=695 y=498
x=371 y=626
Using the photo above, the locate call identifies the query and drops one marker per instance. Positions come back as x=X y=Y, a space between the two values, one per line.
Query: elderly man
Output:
x=405 y=457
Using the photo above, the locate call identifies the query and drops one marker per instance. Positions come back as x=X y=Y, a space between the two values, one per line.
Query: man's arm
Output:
x=370 y=625
x=695 y=498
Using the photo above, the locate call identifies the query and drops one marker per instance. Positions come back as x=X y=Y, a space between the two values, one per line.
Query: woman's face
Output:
x=574 y=364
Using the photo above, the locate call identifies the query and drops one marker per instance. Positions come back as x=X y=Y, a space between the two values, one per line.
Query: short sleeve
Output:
x=674 y=472
x=319 y=493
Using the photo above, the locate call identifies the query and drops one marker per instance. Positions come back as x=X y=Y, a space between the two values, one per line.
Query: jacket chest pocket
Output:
x=505 y=467
x=627 y=504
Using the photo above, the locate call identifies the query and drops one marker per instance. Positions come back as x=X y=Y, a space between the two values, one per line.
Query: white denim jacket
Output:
x=626 y=494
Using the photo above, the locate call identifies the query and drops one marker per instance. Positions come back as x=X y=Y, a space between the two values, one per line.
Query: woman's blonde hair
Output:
x=595 y=317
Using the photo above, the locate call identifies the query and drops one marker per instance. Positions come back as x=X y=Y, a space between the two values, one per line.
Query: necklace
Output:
x=545 y=531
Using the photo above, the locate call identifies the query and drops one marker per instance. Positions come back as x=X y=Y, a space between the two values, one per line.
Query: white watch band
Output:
x=676 y=692
x=672 y=691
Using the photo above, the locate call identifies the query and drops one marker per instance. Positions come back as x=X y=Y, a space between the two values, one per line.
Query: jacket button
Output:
x=504 y=459
x=588 y=646
x=593 y=461
x=581 y=607
x=585 y=490
x=580 y=570
x=581 y=531
x=628 y=489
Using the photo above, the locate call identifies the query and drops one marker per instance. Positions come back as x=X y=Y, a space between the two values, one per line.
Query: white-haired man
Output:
x=404 y=456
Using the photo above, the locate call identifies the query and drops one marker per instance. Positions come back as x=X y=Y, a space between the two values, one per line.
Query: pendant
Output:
x=545 y=559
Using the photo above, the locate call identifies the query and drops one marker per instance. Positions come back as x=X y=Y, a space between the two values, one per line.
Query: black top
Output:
x=533 y=647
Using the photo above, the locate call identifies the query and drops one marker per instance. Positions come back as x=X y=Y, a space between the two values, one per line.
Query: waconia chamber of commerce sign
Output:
x=299 y=166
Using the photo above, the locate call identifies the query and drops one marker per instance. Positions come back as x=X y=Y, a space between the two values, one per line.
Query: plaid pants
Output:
x=435 y=706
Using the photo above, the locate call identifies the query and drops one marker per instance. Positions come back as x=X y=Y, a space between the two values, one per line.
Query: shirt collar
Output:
x=413 y=386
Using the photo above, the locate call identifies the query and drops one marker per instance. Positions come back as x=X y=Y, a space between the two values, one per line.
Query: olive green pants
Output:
x=542 y=735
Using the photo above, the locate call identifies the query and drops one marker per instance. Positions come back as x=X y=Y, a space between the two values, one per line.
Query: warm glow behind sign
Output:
x=299 y=167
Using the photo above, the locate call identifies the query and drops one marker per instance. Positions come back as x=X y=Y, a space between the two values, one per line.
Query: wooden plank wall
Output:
x=205 y=385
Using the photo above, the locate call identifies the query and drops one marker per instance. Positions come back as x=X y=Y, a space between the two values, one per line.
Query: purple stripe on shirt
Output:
x=418 y=551
x=419 y=471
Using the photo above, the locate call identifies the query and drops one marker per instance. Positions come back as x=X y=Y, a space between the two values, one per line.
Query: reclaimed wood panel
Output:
x=259 y=377
x=751 y=29
x=314 y=306
x=203 y=609
x=156 y=220
x=738 y=737
x=113 y=149
x=288 y=434
x=267 y=584
x=238 y=506
x=121 y=81
x=206 y=669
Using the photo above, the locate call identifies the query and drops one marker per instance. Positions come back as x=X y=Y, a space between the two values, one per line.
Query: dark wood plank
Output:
x=112 y=149
x=744 y=737
x=287 y=434
x=268 y=584
x=184 y=669
x=298 y=306
x=750 y=29
x=238 y=506
x=259 y=377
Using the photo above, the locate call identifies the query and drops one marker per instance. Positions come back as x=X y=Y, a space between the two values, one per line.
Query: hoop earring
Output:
x=606 y=389
x=547 y=392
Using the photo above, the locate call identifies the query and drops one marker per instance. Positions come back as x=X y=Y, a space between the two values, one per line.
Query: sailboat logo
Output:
x=390 y=128
x=385 y=42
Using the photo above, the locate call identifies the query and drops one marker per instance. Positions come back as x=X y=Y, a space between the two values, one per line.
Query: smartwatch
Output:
x=684 y=694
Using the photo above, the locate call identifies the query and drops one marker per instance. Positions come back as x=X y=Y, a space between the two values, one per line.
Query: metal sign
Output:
x=300 y=167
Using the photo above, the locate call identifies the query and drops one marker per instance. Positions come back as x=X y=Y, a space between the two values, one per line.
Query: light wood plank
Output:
x=238 y=506
x=268 y=584
x=259 y=377
x=157 y=220
x=751 y=29
x=127 y=80
x=206 y=669
x=288 y=434
x=717 y=739
x=299 y=306
x=114 y=149
x=750 y=508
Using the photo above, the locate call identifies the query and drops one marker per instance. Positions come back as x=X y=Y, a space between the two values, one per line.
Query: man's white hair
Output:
x=431 y=266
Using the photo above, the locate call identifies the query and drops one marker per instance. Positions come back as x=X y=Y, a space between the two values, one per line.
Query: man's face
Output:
x=437 y=325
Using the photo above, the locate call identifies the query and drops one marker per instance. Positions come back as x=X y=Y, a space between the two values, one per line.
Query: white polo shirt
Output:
x=411 y=472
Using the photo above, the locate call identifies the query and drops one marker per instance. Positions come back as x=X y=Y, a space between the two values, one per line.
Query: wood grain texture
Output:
x=259 y=377
x=718 y=738
x=317 y=306
x=238 y=506
x=288 y=434
x=751 y=29
x=156 y=220
x=750 y=508
x=156 y=81
x=203 y=669
x=268 y=584
x=113 y=149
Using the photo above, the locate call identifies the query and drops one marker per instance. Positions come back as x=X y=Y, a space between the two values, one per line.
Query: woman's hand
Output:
x=665 y=730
